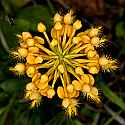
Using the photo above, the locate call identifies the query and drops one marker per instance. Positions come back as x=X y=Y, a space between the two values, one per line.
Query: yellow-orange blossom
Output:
x=68 y=56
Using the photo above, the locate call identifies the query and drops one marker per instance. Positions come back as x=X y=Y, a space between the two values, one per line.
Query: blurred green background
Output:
x=17 y=16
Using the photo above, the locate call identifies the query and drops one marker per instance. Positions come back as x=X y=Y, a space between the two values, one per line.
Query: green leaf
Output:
x=6 y=4
x=19 y=3
x=120 y=31
x=23 y=24
x=23 y=119
x=112 y=96
x=12 y=85
x=86 y=111
x=73 y=122
x=51 y=6
x=76 y=122
x=3 y=97
x=9 y=33
x=57 y=120
x=31 y=16
x=2 y=110
x=112 y=118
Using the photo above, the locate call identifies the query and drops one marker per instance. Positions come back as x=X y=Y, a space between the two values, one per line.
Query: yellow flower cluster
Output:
x=67 y=56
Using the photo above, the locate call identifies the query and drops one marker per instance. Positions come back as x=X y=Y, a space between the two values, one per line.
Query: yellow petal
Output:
x=60 y=92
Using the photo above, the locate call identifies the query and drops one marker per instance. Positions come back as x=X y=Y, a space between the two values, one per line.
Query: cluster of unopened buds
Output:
x=69 y=61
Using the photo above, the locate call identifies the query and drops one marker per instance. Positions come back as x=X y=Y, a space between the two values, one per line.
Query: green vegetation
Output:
x=23 y=15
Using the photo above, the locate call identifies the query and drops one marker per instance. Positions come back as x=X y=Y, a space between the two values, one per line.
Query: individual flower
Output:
x=19 y=68
x=107 y=63
x=69 y=99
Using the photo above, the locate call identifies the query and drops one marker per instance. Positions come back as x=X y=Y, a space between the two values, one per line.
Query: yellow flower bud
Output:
x=61 y=68
x=36 y=76
x=30 y=59
x=43 y=92
x=44 y=78
x=95 y=41
x=69 y=30
x=65 y=102
x=77 y=25
x=73 y=94
x=103 y=61
x=94 y=91
x=38 y=59
x=86 y=88
x=89 y=47
x=77 y=94
x=91 y=53
x=34 y=96
x=23 y=52
x=26 y=35
x=30 y=86
x=50 y=93
x=41 y=85
x=68 y=19
x=70 y=106
x=38 y=39
x=58 y=26
x=57 y=18
x=94 y=31
x=76 y=40
x=41 y=27
x=79 y=70
x=76 y=84
x=70 y=88
x=91 y=79
x=54 y=33
x=30 y=42
x=85 y=39
x=30 y=71
x=33 y=50
x=94 y=63
x=107 y=63
x=85 y=79
x=19 y=68
x=23 y=45
x=54 y=43
x=93 y=70
x=60 y=92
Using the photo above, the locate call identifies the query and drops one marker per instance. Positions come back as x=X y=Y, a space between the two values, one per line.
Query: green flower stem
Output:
x=66 y=74
x=78 y=49
x=70 y=39
x=68 y=48
x=64 y=84
x=52 y=69
x=68 y=62
x=45 y=57
x=56 y=75
x=71 y=70
x=64 y=37
x=45 y=65
x=70 y=56
x=83 y=33
x=47 y=38
x=45 y=49
x=80 y=65
x=3 y=41
x=51 y=76
x=58 y=37
x=84 y=61
x=8 y=108
x=76 y=46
